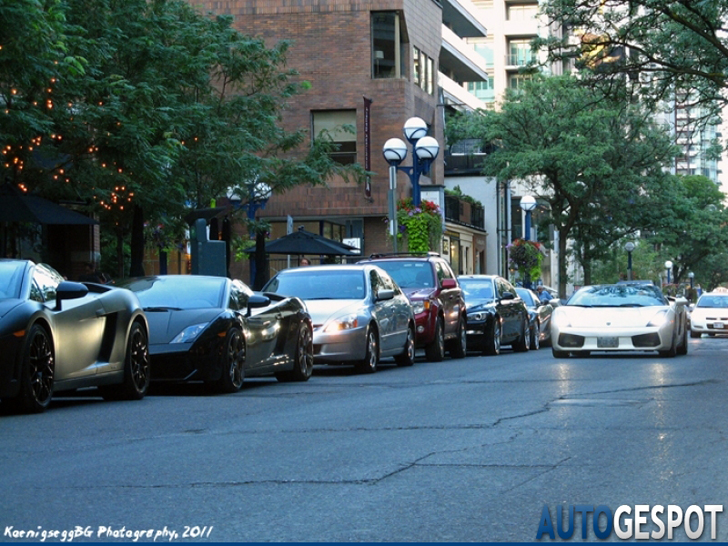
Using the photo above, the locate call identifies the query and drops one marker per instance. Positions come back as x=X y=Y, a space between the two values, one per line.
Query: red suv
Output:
x=436 y=297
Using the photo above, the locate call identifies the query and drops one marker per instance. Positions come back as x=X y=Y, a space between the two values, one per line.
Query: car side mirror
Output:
x=385 y=294
x=256 y=301
x=508 y=296
x=69 y=290
x=449 y=283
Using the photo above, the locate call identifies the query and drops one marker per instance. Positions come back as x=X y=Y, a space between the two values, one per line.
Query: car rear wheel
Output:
x=672 y=351
x=521 y=346
x=459 y=346
x=36 y=382
x=233 y=363
x=493 y=343
x=136 y=369
x=371 y=356
x=407 y=358
x=435 y=351
x=536 y=337
x=303 y=365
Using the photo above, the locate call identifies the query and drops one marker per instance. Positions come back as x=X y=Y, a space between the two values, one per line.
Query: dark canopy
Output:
x=306 y=242
x=16 y=206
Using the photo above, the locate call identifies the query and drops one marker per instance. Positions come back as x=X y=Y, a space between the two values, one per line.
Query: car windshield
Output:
x=617 y=295
x=315 y=284
x=527 y=297
x=11 y=277
x=179 y=292
x=476 y=289
x=713 y=301
x=409 y=274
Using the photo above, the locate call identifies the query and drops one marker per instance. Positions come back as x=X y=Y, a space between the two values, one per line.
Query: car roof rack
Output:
x=404 y=254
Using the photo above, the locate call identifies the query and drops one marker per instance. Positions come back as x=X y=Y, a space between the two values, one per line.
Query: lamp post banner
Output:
x=367 y=145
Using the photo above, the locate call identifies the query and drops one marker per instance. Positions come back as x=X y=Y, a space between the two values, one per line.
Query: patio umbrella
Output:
x=306 y=242
x=16 y=206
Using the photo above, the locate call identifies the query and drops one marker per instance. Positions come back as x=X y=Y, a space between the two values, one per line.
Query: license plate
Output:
x=718 y=325
x=607 y=342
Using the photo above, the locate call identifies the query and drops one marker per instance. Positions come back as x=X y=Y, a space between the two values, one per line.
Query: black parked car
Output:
x=539 y=317
x=496 y=314
x=58 y=335
x=217 y=330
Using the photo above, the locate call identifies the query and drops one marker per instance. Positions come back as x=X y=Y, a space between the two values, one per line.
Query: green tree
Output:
x=582 y=153
x=662 y=45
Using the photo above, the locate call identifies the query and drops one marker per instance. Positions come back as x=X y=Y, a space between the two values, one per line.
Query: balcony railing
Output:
x=463 y=212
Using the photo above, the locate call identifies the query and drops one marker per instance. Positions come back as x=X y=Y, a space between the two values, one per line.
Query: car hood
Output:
x=479 y=304
x=418 y=293
x=165 y=325
x=8 y=305
x=322 y=310
x=598 y=317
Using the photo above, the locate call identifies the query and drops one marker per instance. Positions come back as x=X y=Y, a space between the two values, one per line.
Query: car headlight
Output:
x=477 y=316
x=342 y=323
x=421 y=306
x=659 y=319
x=190 y=333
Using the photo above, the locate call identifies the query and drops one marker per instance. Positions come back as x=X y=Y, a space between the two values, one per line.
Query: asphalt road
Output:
x=462 y=450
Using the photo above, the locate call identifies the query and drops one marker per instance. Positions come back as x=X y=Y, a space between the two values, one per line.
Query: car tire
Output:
x=682 y=349
x=694 y=334
x=37 y=373
x=672 y=351
x=371 y=356
x=559 y=354
x=521 y=346
x=459 y=345
x=407 y=358
x=536 y=337
x=137 y=376
x=435 y=351
x=493 y=343
x=303 y=358
x=232 y=363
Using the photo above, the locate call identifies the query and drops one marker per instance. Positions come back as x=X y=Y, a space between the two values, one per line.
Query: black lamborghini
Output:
x=57 y=335
x=217 y=330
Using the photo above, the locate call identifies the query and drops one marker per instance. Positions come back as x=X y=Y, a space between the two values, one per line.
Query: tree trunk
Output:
x=136 y=268
x=563 y=233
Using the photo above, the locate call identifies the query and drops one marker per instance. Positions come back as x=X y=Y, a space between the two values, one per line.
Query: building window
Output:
x=423 y=71
x=341 y=127
x=522 y=12
x=519 y=53
x=515 y=81
x=483 y=90
x=387 y=45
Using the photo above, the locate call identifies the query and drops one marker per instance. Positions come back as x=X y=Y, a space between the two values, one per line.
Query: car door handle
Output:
x=100 y=313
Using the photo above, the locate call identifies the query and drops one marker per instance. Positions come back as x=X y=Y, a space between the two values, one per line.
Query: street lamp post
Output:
x=426 y=149
x=258 y=195
x=528 y=204
x=629 y=247
x=691 y=276
x=668 y=266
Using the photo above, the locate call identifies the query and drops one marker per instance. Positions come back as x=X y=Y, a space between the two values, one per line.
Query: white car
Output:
x=710 y=315
x=620 y=317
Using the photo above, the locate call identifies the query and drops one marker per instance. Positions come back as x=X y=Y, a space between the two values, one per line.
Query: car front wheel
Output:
x=371 y=356
x=407 y=358
x=38 y=372
x=303 y=365
x=493 y=340
x=233 y=362
x=536 y=337
x=136 y=369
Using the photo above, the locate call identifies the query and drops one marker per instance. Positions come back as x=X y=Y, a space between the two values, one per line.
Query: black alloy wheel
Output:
x=493 y=342
x=137 y=376
x=38 y=372
x=303 y=357
x=233 y=362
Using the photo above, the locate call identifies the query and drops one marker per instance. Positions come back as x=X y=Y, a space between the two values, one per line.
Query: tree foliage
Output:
x=597 y=162
x=146 y=108
x=662 y=45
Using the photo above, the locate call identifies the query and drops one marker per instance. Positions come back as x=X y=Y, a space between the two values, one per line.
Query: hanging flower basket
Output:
x=526 y=256
x=420 y=228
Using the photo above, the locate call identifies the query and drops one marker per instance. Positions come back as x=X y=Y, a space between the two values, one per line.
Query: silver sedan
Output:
x=620 y=317
x=359 y=313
